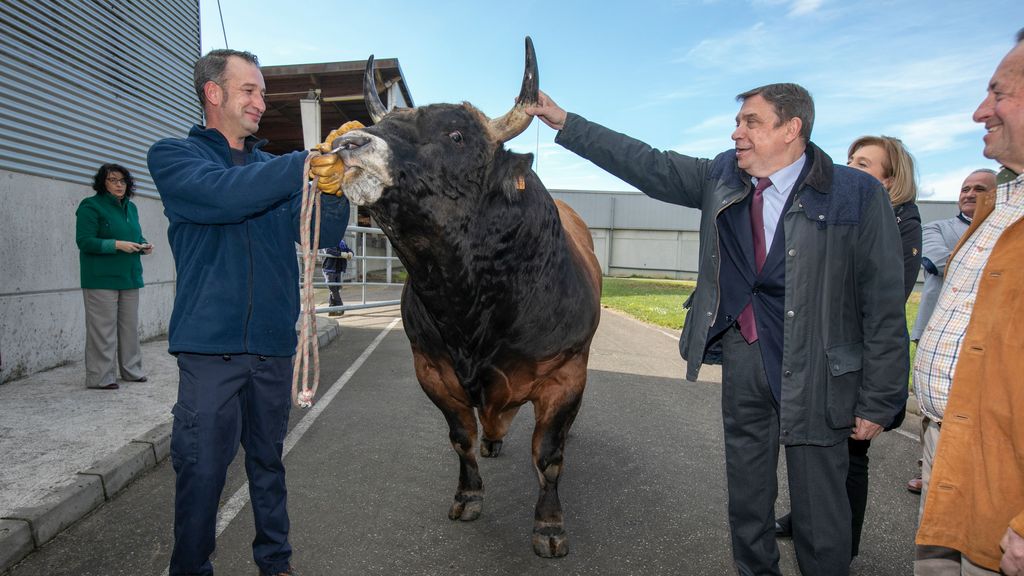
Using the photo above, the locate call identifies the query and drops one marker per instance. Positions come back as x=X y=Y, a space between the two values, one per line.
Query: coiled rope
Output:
x=307 y=355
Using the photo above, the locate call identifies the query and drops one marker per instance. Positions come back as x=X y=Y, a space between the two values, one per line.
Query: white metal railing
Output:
x=360 y=261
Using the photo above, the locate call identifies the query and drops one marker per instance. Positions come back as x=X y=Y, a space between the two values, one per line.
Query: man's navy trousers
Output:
x=224 y=400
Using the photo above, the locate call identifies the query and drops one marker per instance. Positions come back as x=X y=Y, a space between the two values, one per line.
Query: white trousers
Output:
x=111 y=333
x=937 y=560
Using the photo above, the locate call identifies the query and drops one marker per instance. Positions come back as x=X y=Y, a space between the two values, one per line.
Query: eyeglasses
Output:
x=116 y=181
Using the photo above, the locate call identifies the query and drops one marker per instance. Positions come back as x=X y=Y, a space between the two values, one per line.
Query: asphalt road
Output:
x=372 y=474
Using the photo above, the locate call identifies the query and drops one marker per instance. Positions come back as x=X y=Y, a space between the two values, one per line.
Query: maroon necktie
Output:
x=748 y=328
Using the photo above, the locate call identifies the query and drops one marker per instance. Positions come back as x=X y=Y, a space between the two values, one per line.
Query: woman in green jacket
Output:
x=110 y=241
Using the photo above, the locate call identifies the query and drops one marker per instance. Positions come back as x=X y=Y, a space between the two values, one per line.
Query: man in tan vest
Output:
x=969 y=367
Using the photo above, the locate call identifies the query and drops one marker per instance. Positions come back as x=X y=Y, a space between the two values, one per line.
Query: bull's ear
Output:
x=514 y=175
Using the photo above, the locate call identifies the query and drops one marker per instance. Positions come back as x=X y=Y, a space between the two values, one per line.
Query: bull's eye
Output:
x=456 y=136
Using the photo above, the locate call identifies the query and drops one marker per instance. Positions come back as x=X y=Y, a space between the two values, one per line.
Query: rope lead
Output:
x=308 y=348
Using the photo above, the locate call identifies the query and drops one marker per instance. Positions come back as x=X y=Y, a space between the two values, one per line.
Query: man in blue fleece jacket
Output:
x=234 y=215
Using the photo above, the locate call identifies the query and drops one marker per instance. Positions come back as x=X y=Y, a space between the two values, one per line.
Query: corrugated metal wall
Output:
x=631 y=210
x=635 y=234
x=87 y=81
x=635 y=211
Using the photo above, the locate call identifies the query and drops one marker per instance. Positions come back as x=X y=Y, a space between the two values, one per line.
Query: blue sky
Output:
x=667 y=71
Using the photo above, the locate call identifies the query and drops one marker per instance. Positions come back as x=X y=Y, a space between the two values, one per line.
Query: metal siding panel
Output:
x=938 y=210
x=87 y=82
x=632 y=210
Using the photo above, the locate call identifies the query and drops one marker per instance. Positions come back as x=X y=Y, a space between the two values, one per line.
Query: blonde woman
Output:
x=887 y=159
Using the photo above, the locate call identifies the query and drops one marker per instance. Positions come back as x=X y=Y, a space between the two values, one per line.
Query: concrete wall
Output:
x=661 y=253
x=42 y=322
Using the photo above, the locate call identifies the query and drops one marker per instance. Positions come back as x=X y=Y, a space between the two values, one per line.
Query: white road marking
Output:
x=913 y=437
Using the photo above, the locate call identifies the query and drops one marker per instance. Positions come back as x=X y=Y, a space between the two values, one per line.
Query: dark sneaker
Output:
x=783 y=527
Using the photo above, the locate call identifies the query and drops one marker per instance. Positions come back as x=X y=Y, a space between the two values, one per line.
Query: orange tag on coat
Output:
x=520 y=183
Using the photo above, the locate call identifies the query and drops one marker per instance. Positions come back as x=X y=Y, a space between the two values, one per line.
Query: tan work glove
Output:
x=329 y=167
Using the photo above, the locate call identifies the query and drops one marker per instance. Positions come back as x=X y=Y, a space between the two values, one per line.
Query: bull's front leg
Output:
x=439 y=382
x=555 y=411
x=469 y=497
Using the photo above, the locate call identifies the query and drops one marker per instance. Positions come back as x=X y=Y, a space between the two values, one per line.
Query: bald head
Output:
x=977 y=182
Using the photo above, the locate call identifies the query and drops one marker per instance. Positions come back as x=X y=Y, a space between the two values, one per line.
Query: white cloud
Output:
x=936 y=134
x=723 y=123
x=662 y=98
x=917 y=81
x=945 y=185
x=805 y=7
x=796 y=7
x=751 y=49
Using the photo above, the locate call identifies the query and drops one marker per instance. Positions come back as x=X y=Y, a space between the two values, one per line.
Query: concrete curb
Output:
x=64 y=507
x=25 y=529
x=15 y=542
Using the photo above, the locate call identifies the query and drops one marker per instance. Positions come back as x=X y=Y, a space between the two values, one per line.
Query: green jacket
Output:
x=100 y=221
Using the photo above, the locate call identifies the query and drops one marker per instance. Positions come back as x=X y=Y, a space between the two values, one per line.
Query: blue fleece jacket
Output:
x=232 y=232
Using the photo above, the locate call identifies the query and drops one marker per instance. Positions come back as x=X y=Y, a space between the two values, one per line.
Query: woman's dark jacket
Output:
x=908 y=218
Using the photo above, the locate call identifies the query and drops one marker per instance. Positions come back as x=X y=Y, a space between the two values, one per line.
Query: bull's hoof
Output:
x=550 y=542
x=466 y=508
x=490 y=448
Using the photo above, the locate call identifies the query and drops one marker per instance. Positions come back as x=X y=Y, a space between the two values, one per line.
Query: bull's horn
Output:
x=516 y=120
x=373 y=104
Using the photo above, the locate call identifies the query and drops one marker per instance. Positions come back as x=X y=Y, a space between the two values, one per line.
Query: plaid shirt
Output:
x=939 y=346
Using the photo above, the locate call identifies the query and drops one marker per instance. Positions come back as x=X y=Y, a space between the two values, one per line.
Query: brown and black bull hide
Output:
x=502 y=299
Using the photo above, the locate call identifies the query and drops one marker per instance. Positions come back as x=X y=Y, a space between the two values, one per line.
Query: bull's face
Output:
x=441 y=148
x=445 y=149
x=367 y=172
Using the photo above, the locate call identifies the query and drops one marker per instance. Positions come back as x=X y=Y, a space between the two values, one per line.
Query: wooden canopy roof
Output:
x=340 y=86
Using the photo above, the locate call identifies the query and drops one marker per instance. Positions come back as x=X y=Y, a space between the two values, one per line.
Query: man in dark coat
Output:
x=800 y=297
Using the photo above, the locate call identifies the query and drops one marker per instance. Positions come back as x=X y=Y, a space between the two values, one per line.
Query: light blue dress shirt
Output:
x=775 y=197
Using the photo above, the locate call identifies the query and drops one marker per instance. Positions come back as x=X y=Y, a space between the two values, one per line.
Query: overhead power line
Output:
x=222 y=29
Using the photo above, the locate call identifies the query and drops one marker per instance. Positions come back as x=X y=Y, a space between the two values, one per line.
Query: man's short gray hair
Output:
x=210 y=68
x=790 y=101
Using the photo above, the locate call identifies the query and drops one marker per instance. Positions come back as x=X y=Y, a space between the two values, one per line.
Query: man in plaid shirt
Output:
x=970 y=366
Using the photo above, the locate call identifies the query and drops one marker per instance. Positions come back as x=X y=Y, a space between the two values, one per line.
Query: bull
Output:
x=503 y=290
